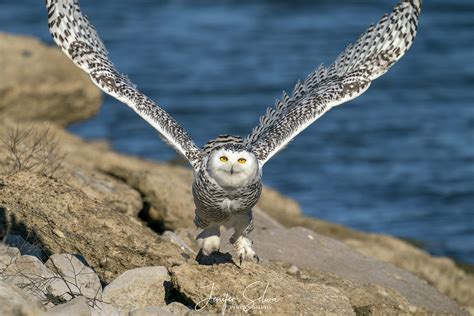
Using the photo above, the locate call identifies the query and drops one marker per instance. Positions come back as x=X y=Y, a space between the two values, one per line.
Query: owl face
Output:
x=232 y=169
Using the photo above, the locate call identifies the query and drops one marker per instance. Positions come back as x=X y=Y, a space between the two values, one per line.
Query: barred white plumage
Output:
x=227 y=171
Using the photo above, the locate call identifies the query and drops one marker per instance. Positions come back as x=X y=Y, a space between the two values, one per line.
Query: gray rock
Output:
x=137 y=288
x=263 y=221
x=293 y=270
x=177 y=308
x=31 y=275
x=14 y=301
x=104 y=309
x=306 y=249
x=151 y=311
x=175 y=239
x=77 y=307
x=8 y=256
x=73 y=277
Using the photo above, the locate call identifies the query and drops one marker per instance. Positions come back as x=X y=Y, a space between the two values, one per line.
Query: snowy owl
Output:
x=228 y=170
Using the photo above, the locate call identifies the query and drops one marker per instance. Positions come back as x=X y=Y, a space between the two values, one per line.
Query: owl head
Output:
x=232 y=166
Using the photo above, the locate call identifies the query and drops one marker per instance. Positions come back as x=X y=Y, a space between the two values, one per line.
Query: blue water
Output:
x=398 y=160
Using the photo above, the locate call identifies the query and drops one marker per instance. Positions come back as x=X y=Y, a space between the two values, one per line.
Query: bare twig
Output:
x=31 y=150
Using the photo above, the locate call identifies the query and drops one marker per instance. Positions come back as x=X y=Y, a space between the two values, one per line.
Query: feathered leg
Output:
x=209 y=240
x=243 y=225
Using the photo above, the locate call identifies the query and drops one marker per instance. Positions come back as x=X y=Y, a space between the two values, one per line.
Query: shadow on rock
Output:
x=216 y=257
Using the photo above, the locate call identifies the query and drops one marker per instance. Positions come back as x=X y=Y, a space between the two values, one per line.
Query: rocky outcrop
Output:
x=30 y=274
x=82 y=216
x=159 y=183
x=69 y=202
x=60 y=218
x=255 y=288
x=138 y=288
x=440 y=272
x=75 y=278
x=303 y=249
x=99 y=186
x=76 y=306
x=63 y=219
x=39 y=83
x=14 y=301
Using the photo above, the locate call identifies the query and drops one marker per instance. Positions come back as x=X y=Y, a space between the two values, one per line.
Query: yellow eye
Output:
x=242 y=160
x=224 y=158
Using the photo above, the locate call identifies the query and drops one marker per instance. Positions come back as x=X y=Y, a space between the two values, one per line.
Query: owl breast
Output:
x=215 y=205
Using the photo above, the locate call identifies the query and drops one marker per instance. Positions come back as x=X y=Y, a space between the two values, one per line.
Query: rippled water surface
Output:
x=397 y=160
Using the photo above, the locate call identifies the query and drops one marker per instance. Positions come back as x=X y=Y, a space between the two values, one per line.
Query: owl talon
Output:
x=256 y=258
x=242 y=257
x=243 y=248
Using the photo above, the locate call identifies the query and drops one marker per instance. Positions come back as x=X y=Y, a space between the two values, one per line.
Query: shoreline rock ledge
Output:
x=103 y=233
x=39 y=84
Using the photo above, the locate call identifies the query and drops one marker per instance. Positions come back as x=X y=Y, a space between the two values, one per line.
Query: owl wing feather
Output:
x=79 y=40
x=348 y=77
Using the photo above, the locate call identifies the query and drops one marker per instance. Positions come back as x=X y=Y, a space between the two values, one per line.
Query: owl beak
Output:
x=232 y=170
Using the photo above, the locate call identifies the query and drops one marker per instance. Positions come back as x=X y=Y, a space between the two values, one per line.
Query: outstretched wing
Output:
x=351 y=75
x=79 y=40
